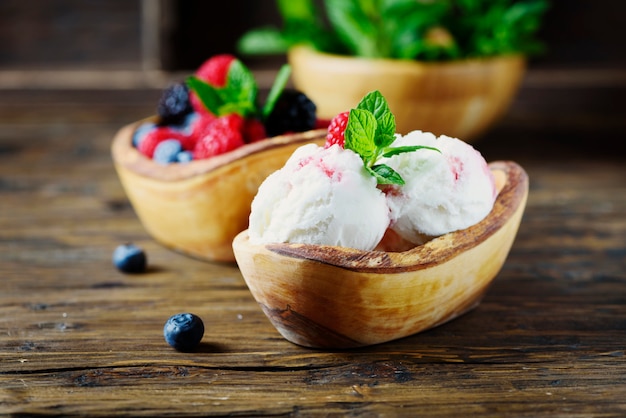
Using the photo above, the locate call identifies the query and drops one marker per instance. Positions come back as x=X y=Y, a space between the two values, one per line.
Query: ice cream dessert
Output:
x=368 y=180
x=321 y=196
x=445 y=191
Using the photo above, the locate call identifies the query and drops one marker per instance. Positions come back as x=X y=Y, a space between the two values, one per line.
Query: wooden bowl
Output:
x=461 y=99
x=197 y=208
x=333 y=297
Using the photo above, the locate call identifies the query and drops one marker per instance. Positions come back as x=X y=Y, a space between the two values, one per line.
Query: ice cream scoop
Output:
x=321 y=196
x=445 y=191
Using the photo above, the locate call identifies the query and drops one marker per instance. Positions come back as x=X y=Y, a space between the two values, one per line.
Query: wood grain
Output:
x=79 y=338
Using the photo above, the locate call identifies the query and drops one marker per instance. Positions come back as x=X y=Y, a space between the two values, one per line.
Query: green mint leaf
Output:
x=207 y=94
x=370 y=131
x=376 y=103
x=242 y=108
x=277 y=88
x=386 y=175
x=388 y=152
x=360 y=133
x=385 y=130
x=241 y=89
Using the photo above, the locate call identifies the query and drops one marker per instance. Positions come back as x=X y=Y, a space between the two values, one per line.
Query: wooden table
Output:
x=77 y=337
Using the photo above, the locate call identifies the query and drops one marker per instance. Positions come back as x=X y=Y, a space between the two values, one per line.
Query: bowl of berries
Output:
x=377 y=236
x=191 y=170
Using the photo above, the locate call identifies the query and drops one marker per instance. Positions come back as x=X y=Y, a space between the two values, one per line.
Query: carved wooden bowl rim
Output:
x=512 y=183
x=127 y=156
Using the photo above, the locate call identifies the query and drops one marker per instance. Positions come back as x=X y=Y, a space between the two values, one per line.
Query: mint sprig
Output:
x=240 y=93
x=370 y=131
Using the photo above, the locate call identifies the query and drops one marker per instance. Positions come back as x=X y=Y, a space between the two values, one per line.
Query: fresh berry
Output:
x=166 y=152
x=183 y=331
x=186 y=125
x=174 y=104
x=156 y=136
x=184 y=157
x=293 y=112
x=141 y=132
x=215 y=70
x=253 y=130
x=129 y=258
x=336 y=130
x=201 y=124
x=223 y=135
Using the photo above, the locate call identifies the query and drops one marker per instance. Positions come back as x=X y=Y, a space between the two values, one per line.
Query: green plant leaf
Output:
x=277 y=88
x=263 y=41
x=375 y=103
x=357 y=31
x=206 y=93
x=359 y=134
x=298 y=10
x=385 y=130
x=389 y=152
x=386 y=175
x=241 y=88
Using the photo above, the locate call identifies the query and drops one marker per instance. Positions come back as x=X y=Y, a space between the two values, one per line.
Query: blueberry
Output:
x=141 y=132
x=129 y=258
x=184 y=156
x=183 y=331
x=166 y=151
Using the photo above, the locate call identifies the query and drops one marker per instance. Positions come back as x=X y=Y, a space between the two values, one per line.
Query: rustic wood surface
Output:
x=77 y=337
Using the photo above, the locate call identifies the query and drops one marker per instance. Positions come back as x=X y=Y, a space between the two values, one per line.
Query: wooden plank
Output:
x=77 y=337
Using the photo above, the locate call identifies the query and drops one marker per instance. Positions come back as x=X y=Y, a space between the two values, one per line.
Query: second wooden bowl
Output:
x=462 y=99
x=197 y=208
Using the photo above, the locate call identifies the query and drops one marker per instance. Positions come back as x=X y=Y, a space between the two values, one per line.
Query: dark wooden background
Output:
x=108 y=33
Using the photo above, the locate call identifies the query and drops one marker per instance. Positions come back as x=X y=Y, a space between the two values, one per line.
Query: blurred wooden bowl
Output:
x=197 y=208
x=461 y=99
x=333 y=297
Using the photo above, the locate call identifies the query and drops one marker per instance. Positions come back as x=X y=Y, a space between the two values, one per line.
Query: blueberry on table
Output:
x=183 y=331
x=129 y=258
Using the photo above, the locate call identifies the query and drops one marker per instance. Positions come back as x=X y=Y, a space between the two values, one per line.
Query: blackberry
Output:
x=174 y=104
x=293 y=112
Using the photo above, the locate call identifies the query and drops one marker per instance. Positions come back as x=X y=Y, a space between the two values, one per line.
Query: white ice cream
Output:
x=444 y=192
x=321 y=196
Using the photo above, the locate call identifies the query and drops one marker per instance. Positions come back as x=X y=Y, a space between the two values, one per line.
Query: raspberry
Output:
x=198 y=128
x=174 y=104
x=215 y=70
x=253 y=130
x=336 y=130
x=221 y=136
x=293 y=112
x=156 y=136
